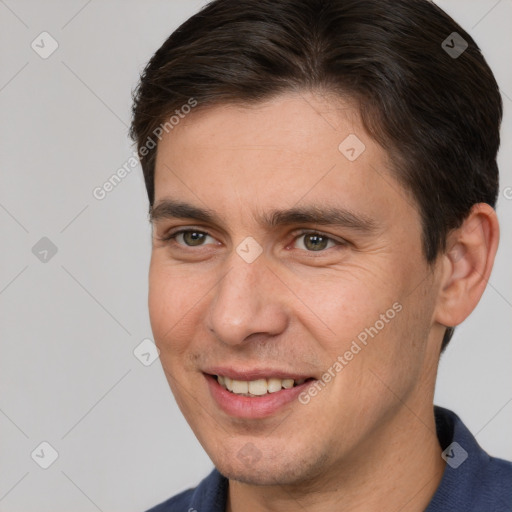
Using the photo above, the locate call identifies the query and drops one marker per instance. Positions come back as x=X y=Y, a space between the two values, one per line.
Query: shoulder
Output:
x=179 y=502
x=209 y=496
x=491 y=489
x=496 y=478
x=473 y=480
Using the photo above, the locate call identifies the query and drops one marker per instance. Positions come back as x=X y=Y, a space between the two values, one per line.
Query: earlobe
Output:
x=467 y=265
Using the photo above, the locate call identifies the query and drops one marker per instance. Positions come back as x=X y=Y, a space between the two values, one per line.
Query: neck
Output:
x=400 y=469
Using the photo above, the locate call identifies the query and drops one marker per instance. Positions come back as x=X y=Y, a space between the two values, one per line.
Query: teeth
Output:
x=257 y=387
x=240 y=386
x=287 y=383
x=274 y=385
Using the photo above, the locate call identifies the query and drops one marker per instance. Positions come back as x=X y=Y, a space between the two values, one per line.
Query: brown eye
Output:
x=315 y=242
x=188 y=237
x=193 y=238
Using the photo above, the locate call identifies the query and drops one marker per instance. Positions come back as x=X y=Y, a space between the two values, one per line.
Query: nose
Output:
x=246 y=303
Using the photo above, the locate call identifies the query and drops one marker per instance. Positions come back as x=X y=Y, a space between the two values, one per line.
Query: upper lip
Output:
x=249 y=374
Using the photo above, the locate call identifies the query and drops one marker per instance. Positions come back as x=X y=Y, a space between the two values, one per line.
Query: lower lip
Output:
x=252 y=407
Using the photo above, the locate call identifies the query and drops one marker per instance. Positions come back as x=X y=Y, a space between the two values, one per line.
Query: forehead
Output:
x=293 y=122
x=294 y=149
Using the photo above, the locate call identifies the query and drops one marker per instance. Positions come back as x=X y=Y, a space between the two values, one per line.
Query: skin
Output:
x=367 y=440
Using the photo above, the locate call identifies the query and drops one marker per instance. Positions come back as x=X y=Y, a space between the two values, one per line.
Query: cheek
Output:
x=347 y=303
x=171 y=304
x=369 y=322
x=390 y=361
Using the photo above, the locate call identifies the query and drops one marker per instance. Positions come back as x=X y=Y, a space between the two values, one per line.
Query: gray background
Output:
x=69 y=326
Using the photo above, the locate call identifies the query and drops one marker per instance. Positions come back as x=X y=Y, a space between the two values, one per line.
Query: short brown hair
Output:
x=437 y=113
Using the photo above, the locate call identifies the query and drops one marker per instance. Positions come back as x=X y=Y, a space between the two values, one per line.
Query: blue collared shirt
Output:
x=472 y=481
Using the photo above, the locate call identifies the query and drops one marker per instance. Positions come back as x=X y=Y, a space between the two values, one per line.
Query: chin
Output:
x=261 y=476
x=270 y=469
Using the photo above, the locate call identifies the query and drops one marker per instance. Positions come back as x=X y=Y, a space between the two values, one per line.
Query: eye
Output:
x=315 y=241
x=187 y=237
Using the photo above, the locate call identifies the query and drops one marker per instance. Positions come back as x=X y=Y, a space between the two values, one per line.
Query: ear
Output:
x=466 y=265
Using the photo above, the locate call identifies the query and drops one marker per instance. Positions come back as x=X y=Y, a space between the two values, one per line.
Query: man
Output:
x=322 y=180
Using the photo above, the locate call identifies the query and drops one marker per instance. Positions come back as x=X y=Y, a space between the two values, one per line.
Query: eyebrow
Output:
x=312 y=214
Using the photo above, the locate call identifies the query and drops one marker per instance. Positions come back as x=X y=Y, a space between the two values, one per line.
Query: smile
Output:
x=254 y=397
x=258 y=387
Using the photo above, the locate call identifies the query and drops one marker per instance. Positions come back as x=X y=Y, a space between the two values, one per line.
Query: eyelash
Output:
x=171 y=237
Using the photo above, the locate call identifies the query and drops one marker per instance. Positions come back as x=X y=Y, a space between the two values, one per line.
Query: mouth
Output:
x=258 y=387
x=252 y=395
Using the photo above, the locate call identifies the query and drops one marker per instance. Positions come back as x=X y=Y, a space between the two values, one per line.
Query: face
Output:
x=283 y=250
